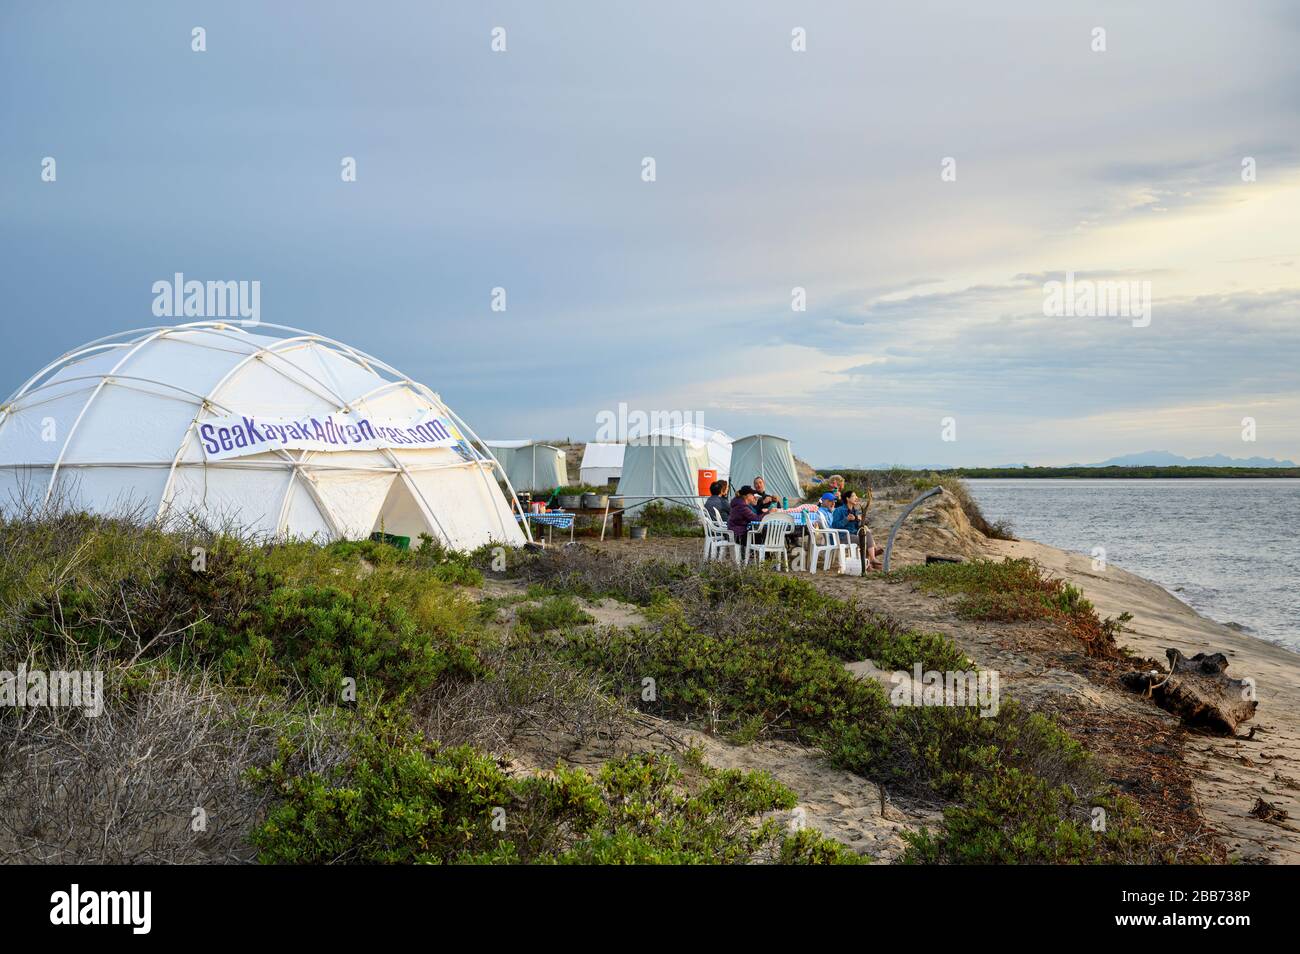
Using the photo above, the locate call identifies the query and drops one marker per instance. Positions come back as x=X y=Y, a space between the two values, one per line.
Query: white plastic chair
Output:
x=774 y=530
x=849 y=554
x=719 y=540
x=828 y=543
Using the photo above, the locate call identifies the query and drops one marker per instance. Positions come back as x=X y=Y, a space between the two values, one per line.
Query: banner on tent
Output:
x=239 y=435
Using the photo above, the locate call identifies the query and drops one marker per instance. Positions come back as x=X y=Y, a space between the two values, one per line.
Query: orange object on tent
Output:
x=705 y=478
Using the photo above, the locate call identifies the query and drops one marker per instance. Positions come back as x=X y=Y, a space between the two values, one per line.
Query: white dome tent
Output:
x=275 y=431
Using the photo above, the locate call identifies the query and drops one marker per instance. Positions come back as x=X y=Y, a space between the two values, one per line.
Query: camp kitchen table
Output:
x=558 y=518
x=607 y=516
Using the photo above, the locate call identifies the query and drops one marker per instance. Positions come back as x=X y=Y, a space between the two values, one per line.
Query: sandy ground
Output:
x=836 y=803
x=1228 y=775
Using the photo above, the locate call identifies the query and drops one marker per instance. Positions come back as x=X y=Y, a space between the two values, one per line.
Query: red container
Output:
x=704 y=478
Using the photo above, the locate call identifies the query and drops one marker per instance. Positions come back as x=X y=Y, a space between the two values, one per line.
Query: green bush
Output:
x=792 y=687
x=291 y=616
x=1013 y=817
x=403 y=800
x=554 y=612
x=668 y=520
x=1019 y=589
x=754 y=653
x=319 y=635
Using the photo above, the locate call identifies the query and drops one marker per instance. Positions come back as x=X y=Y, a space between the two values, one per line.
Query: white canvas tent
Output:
x=762 y=455
x=601 y=463
x=661 y=467
x=716 y=443
x=270 y=430
x=530 y=466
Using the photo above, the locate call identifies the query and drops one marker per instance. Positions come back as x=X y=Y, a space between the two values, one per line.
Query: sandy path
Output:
x=839 y=804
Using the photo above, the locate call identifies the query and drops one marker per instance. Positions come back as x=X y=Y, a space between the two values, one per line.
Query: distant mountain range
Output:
x=1167 y=459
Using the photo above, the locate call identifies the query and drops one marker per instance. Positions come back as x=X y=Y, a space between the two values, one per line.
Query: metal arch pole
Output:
x=204 y=401
x=53 y=366
x=889 y=547
x=495 y=464
x=296 y=464
x=403 y=474
x=164 y=505
x=67 y=441
x=456 y=419
x=438 y=404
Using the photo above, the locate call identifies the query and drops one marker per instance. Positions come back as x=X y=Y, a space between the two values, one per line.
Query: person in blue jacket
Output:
x=848 y=516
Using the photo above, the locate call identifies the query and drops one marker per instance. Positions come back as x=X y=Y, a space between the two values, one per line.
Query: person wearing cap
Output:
x=826 y=510
x=743 y=512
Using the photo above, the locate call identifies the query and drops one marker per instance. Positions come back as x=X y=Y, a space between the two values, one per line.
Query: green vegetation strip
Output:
x=1020 y=590
x=307 y=675
x=758 y=653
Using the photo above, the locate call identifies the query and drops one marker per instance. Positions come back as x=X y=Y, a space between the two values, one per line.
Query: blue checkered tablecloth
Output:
x=801 y=518
x=562 y=520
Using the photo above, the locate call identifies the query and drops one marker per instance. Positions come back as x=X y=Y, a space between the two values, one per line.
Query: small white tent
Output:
x=716 y=443
x=530 y=466
x=602 y=463
x=762 y=455
x=662 y=467
x=266 y=429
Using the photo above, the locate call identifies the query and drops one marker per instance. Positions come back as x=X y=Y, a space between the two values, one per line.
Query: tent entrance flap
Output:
x=401 y=514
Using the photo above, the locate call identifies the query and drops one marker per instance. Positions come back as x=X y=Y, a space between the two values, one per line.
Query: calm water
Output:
x=1228 y=548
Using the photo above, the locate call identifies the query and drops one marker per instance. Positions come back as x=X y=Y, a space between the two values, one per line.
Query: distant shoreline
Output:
x=1083 y=473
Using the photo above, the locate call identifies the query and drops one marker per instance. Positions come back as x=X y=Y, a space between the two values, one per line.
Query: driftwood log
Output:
x=1198 y=691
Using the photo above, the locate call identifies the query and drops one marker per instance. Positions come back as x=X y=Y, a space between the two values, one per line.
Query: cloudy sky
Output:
x=775 y=169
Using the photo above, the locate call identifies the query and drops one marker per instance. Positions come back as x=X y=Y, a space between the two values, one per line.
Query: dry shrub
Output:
x=124 y=787
x=533 y=702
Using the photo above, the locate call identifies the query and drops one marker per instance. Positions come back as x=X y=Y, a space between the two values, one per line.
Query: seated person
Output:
x=826 y=511
x=848 y=517
x=742 y=513
x=765 y=500
x=717 y=506
x=772 y=510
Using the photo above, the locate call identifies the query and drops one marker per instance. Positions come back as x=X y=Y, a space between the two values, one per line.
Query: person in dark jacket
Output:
x=717 y=506
x=742 y=513
x=847 y=515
